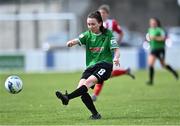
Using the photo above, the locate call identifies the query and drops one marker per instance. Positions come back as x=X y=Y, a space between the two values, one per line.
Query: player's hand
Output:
x=152 y=37
x=70 y=43
x=116 y=61
x=148 y=37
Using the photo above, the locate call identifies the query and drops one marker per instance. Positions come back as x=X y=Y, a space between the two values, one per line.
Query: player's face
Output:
x=152 y=23
x=93 y=25
x=104 y=14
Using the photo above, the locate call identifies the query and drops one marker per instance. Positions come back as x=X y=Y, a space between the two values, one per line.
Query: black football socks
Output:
x=151 y=74
x=86 y=98
x=169 y=68
x=78 y=92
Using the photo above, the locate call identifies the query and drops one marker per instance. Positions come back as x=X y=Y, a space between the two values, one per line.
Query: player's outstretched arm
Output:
x=116 y=56
x=72 y=42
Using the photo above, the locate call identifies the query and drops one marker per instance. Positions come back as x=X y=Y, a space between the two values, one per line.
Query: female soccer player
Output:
x=100 y=46
x=156 y=36
x=112 y=25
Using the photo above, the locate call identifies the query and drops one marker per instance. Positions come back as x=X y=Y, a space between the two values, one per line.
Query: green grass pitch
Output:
x=123 y=101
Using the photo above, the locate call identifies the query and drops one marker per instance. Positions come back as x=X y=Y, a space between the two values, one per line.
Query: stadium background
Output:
x=39 y=29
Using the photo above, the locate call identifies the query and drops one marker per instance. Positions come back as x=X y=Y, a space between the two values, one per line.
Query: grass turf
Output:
x=122 y=101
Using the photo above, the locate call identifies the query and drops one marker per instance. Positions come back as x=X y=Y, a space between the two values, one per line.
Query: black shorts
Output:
x=102 y=71
x=159 y=53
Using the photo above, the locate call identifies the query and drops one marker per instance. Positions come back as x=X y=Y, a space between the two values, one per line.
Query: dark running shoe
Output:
x=176 y=76
x=149 y=83
x=95 y=117
x=130 y=74
x=62 y=97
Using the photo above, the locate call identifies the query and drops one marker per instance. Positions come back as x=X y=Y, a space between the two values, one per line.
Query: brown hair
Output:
x=157 y=21
x=105 y=7
x=98 y=17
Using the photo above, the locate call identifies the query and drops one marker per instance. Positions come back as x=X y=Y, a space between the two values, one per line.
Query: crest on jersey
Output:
x=113 y=42
x=81 y=36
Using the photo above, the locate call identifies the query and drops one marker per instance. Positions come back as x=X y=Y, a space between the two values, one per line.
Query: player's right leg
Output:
x=151 y=61
x=83 y=87
x=63 y=97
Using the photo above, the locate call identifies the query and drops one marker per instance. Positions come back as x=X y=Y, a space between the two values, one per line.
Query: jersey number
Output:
x=101 y=71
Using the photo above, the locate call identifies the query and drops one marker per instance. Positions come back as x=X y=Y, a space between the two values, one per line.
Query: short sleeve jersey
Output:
x=156 y=32
x=98 y=47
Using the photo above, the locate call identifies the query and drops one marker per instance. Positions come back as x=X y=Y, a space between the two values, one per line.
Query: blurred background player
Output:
x=156 y=37
x=112 y=25
x=97 y=40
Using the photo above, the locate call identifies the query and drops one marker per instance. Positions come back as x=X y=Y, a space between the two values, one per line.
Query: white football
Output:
x=13 y=84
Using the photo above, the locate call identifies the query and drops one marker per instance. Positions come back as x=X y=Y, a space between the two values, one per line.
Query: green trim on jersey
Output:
x=98 y=47
x=156 y=32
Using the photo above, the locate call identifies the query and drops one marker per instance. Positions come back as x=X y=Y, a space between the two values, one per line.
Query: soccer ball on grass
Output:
x=13 y=84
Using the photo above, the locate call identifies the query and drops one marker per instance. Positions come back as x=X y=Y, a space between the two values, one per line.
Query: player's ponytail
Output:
x=97 y=16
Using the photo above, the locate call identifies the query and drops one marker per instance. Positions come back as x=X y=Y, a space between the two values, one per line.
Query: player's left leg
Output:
x=170 y=69
x=161 y=57
x=86 y=98
x=119 y=72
